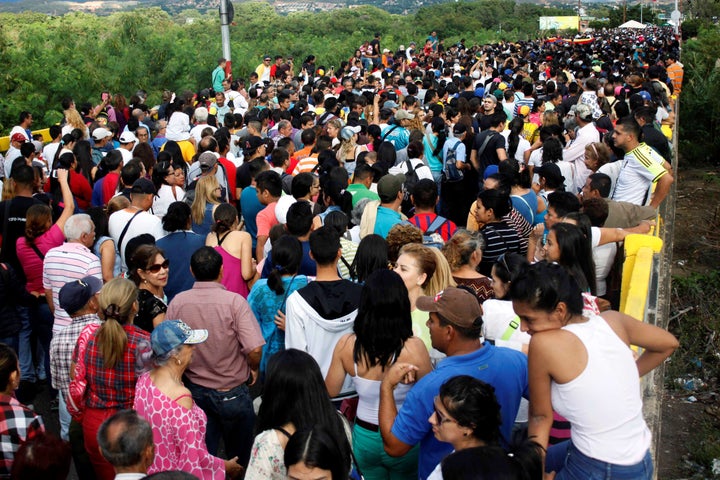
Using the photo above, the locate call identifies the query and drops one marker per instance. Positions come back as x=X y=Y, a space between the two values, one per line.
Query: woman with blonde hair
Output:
x=207 y=198
x=418 y=265
x=349 y=150
x=464 y=253
x=73 y=121
x=333 y=128
x=104 y=366
x=443 y=275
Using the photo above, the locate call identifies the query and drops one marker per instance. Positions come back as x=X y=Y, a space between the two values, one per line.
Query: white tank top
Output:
x=369 y=397
x=603 y=403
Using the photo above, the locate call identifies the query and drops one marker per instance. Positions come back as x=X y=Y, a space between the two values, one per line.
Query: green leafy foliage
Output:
x=700 y=129
x=46 y=58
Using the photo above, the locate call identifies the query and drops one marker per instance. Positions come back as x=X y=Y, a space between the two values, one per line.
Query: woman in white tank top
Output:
x=383 y=335
x=583 y=368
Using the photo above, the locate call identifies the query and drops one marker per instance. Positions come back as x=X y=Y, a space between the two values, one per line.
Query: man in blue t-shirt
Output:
x=455 y=325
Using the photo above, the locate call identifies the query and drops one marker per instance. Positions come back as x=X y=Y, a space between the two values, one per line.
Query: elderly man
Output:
x=126 y=441
x=79 y=300
x=70 y=261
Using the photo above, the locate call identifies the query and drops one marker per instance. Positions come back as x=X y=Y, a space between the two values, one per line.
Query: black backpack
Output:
x=411 y=178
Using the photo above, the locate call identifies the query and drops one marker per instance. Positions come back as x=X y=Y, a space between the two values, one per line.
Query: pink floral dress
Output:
x=178 y=433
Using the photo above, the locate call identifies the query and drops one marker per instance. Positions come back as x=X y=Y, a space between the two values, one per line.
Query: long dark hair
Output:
x=295 y=392
x=383 y=321
x=83 y=153
x=318 y=447
x=287 y=255
x=371 y=255
x=576 y=254
x=516 y=127
x=438 y=126
x=543 y=285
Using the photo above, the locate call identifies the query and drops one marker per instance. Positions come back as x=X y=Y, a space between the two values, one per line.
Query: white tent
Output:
x=632 y=24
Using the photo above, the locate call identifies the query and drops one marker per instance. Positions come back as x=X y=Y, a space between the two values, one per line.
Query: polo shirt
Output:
x=503 y=368
x=70 y=261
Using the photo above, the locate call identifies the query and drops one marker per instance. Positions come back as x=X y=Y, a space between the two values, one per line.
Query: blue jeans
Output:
x=25 y=358
x=11 y=342
x=230 y=415
x=41 y=322
x=571 y=464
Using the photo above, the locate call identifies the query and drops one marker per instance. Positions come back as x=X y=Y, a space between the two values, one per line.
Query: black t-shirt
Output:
x=375 y=45
x=655 y=138
x=15 y=229
x=489 y=155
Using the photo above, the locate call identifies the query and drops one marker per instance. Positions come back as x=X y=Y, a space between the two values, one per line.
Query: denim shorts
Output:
x=571 y=464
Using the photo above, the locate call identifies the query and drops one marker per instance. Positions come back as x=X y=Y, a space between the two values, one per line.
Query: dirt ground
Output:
x=687 y=415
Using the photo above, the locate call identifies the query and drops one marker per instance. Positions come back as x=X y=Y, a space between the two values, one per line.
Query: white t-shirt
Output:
x=164 y=198
x=197 y=130
x=603 y=256
x=143 y=223
x=126 y=155
x=523 y=146
x=422 y=170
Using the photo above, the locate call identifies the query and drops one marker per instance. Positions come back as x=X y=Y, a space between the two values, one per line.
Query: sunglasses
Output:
x=440 y=417
x=158 y=266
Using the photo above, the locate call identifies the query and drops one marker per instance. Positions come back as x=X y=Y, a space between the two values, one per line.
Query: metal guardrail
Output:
x=648 y=292
x=5 y=141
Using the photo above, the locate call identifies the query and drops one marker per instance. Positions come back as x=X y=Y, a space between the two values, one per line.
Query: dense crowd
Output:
x=403 y=267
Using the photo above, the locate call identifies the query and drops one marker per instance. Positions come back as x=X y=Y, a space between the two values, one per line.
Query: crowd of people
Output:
x=403 y=267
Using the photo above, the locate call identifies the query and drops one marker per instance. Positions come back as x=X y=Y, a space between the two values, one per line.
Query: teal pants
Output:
x=375 y=464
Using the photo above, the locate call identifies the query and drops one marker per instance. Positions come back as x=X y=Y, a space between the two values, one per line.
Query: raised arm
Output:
x=658 y=344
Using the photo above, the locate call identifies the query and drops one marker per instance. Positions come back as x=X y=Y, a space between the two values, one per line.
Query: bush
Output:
x=699 y=112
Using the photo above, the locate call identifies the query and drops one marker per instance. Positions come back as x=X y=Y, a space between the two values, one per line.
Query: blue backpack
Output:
x=450 y=170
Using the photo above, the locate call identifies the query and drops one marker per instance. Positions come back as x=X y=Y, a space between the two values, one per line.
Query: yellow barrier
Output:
x=637 y=269
x=5 y=141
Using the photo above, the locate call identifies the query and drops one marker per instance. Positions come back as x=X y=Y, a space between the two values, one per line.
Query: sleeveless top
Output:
x=603 y=404
x=232 y=270
x=369 y=397
x=118 y=261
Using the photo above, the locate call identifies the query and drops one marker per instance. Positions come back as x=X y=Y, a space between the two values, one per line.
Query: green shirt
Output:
x=360 y=191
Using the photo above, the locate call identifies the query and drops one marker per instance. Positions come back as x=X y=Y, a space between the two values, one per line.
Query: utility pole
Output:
x=624 y=11
x=225 y=34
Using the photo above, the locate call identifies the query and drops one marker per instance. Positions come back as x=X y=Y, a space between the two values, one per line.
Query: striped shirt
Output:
x=70 y=261
x=641 y=168
x=500 y=238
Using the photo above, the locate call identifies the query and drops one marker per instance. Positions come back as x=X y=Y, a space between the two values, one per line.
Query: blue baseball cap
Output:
x=73 y=296
x=173 y=333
